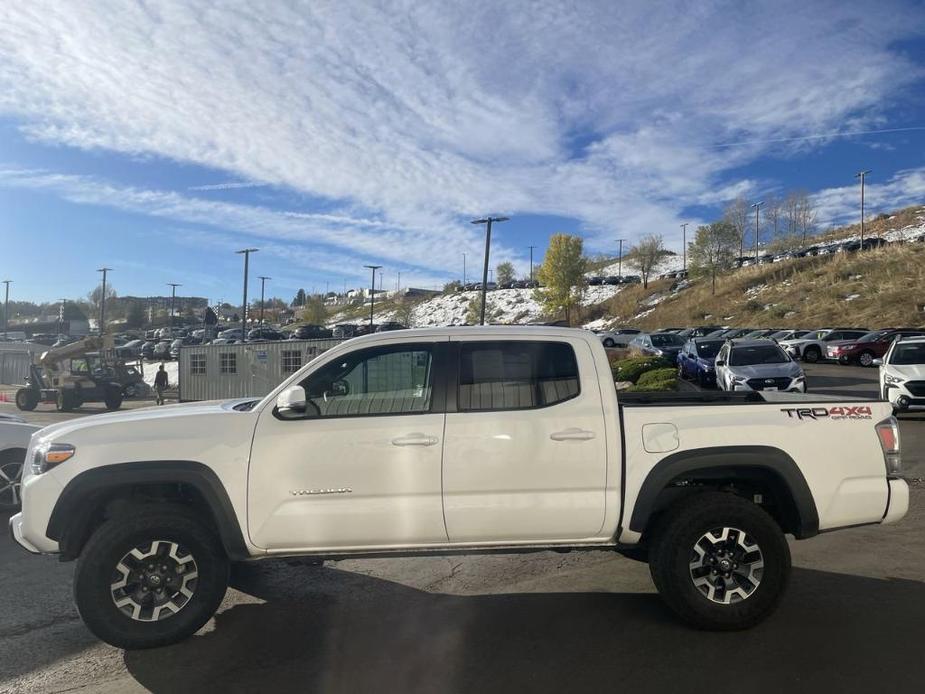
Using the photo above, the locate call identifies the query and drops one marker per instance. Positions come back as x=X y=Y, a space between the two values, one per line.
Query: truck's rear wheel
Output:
x=65 y=401
x=113 y=398
x=720 y=562
x=26 y=399
x=151 y=578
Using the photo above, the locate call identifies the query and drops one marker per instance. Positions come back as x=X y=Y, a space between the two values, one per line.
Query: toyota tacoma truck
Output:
x=454 y=440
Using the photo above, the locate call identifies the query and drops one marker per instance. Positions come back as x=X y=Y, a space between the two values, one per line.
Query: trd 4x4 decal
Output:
x=837 y=412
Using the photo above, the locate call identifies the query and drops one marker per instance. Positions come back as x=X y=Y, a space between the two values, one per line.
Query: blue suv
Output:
x=695 y=360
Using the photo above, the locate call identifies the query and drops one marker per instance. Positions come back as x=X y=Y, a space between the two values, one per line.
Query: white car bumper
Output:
x=39 y=495
x=794 y=387
x=901 y=399
x=898 y=505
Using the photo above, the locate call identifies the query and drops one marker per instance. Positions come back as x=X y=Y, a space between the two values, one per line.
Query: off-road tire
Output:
x=671 y=550
x=26 y=399
x=812 y=355
x=65 y=401
x=113 y=398
x=93 y=576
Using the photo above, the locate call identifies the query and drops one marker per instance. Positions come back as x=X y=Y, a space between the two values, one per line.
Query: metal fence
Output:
x=253 y=369
x=14 y=366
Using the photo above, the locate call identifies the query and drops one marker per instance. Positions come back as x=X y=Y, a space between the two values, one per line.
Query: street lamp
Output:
x=620 y=259
x=104 y=270
x=861 y=175
x=487 y=221
x=6 y=308
x=757 y=206
x=246 y=252
x=263 y=281
x=173 y=298
x=372 y=294
x=464 y=271
x=531 y=263
x=684 y=243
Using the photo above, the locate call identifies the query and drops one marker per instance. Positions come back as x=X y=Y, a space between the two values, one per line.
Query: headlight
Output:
x=893 y=380
x=799 y=377
x=47 y=456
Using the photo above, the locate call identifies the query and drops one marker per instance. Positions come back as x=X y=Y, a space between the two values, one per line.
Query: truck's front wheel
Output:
x=151 y=578
x=720 y=562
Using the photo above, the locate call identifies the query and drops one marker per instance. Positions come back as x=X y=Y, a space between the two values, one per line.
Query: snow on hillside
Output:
x=669 y=263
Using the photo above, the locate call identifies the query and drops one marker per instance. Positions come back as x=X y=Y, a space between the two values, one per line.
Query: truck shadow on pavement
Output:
x=326 y=630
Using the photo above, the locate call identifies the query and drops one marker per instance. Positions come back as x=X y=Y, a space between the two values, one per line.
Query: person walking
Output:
x=160 y=384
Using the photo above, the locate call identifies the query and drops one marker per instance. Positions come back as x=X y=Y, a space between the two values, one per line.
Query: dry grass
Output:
x=873 y=289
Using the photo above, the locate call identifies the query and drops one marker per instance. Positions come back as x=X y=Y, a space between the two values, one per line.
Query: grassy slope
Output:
x=808 y=292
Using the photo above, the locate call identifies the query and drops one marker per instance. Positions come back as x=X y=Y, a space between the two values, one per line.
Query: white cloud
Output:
x=417 y=114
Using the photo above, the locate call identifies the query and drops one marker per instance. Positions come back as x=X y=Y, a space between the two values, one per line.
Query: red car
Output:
x=865 y=349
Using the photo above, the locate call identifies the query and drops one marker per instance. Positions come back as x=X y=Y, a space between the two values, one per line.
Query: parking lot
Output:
x=852 y=621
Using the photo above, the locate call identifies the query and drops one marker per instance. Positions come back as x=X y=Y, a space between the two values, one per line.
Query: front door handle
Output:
x=415 y=440
x=572 y=434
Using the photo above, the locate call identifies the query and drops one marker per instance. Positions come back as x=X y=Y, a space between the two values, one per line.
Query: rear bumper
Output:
x=898 y=504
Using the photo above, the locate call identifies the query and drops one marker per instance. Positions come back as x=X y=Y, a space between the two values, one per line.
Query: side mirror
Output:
x=720 y=363
x=291 y=400
x=877 y=362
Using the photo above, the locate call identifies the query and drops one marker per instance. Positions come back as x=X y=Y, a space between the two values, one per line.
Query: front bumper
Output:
x=902 y=400
x=898 y=504
x=16 y=534
x=794 y=387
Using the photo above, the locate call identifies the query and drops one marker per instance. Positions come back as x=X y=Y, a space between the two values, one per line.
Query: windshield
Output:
x=708 y=350
x=874 y=336
x=906 y=355
x=757 y=354
x=666 y=340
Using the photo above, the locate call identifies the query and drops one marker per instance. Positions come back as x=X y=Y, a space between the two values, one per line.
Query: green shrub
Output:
x=650 y=377
x=631 y=369
x=663 y=386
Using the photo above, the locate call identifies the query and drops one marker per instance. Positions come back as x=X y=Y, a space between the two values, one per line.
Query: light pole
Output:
x=246 y=252
x=861 y=175
x=531 y=263
x=464 y=271
x=684 y=244
x=263 y=282
x=620 y=259
x=487 y=221
x=757 y=206
x=6 y=308
x=104 y=270
x=372 y=294
x=173 y=299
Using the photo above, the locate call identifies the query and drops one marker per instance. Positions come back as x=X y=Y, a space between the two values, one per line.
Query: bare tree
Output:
x=648 y=252
x=790 y=213
x=805 y=214
x=737 y=213
x=773 y=214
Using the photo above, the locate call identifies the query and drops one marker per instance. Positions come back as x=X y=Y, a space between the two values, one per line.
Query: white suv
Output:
x=902 y=374
x=811 y=347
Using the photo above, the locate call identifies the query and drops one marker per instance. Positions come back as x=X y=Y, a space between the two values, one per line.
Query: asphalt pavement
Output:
x=852 y=621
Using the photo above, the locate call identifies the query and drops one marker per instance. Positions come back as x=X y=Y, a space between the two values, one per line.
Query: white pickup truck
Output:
x=454 y=440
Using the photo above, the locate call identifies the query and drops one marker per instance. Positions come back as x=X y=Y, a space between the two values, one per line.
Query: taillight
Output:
x=888 y=433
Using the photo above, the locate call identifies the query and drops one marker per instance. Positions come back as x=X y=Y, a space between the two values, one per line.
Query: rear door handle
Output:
x=415 y=440
x=572 y=434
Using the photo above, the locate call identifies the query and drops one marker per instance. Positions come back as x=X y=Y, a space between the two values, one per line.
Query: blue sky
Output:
x=158 y=138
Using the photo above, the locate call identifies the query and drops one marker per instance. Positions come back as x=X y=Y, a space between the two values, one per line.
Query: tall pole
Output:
x=372 y=294
x=861 y=175
x=531 y=263
x=6 y=308
x=757 y=206
x=173 y=300
x=487 y=221
x=684 y=243
x=61 y=317
x=263 y=282
x=246 y=252
x=104 y=270
x=620 y=259
x=464 y=270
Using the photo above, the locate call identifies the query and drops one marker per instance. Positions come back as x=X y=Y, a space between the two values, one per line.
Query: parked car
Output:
x=788 y=335
x=811 y=347
x=147 y=349
x=390 y=325
x=757 y=365
x=311 y=332
x=902 y=374
x=595 y=280
x=696 y=360
x=613 y=280
x=200 y=487
x=162 y=350
x=343 y=331
x=665 y=345
x=618 y=337
x=265 y=334
x=130 y=350
x=14 y=441
x=865 y=349
x=632 y=279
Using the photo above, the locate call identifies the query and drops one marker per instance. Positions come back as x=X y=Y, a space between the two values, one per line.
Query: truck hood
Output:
x=163 y=417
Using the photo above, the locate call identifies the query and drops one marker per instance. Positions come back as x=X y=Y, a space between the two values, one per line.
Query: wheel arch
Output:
x=95 y=494
x=762 y=467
